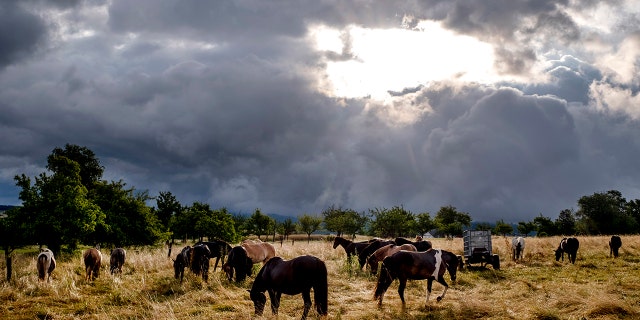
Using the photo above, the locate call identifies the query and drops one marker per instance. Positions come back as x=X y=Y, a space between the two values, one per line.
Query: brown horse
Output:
x=350 y=247
x=291 y=277
x=92 y=260
x=181 y=261
x=370 y=249
x=118 y=255
x=406 y=265
x=199 y=263
x=243 y=257
x=46 y=264
x=384 y=252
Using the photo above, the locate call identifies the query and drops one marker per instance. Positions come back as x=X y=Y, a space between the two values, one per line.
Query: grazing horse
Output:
x=116 y=262
x=243 y=257
x=181 y=261
x=46 y=264
x=517 y=247
x=384 y=252
x=350 y=247
x=370 y=249
x=219 y=249
x=92 y=261
x=298 y=275
x=406 y=265
x=570 y=246
x=614 y=245
x=421 y=245
x=199 y=262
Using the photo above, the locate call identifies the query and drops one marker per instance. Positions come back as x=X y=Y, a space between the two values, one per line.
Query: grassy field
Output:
x=596 y=287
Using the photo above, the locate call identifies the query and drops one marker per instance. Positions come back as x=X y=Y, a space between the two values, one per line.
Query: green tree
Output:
x=309 y=224
x=424 y=223
x=57 y=206
x=216 y=224
x=391 y=223
x=484 y=226
x=502 y=228
x=526 y=227
x=344 y=221
x=259 y=223
x=545 y=226
x=566 y=222
x=167 y=206
x=90 y=168
x=288 y=227
x=14 y=234
x=450 y=221
x=605 y=213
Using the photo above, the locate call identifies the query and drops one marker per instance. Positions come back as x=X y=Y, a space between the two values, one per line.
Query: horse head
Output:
x=259 y=301
x=451 y=261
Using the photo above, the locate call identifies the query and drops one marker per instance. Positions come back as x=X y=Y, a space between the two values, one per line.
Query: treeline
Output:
x=71 y=205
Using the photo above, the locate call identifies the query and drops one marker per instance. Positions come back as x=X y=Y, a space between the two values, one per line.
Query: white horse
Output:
x=517 y=246
x=45 y=264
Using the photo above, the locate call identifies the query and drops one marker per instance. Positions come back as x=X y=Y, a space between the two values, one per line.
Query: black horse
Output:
x=406 y=265
x=370 y=249
x=614 y=245
x=181 y=261
x=570 y=246
x=200 y=261
x=350 y=247
x=240 y=262
x=422 y=245
x=298 y=275
x=219 y=249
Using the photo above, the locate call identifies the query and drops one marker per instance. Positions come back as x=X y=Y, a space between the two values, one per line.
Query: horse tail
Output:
x=43 y=266
x=321 y=289
x=384 y=279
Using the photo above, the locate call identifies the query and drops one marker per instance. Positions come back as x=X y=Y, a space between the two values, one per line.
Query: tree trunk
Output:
x=7 y=257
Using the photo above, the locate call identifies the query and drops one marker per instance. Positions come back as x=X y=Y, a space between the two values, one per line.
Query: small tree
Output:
x=450 y=222
x=288 y=227
x=309 y=224
x=502 y=228
x=259 y=223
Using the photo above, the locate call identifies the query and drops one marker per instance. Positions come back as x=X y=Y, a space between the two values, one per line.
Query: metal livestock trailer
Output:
x=477 y=248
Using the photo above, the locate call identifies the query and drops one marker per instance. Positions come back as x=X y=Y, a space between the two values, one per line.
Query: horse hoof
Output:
x=439 y=299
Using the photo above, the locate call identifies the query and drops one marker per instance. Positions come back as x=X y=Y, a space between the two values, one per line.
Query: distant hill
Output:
x=4 y=208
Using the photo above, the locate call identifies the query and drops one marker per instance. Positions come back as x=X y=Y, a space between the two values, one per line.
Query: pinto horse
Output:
x=92 y=261
x=199 y=262
x=45 y=264
x=384 y=252
x=243 y=257
x=350 y=247
x=181 y=261
x=421 y=245
x=219 y=249
x=406 y=265
x=570 y=246
x=517 y=247
x=370 y=249
x=291 y=277
x=614 y=245
x=116 y=262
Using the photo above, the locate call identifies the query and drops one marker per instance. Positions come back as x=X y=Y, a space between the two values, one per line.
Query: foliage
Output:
x=205 y=222
x=287 y=227
x=545 y=226
x=308 y=224
x=344 y=221
x=167 y=207
x=606 y=213
x=90 y=168
x=259 y=223
x=450 y=221
x=391 y=223
x=566 y=222
x=502 y=228
x=423 y=223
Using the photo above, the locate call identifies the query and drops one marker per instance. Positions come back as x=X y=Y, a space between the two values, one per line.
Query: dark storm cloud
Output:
x=20 y=33
x=218 y=101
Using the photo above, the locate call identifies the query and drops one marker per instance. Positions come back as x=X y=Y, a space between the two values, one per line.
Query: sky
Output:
x=503 y=109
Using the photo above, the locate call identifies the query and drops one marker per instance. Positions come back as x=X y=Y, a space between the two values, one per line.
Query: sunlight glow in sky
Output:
x=394 y=59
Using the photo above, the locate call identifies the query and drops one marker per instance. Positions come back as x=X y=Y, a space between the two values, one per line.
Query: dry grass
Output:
x=596 y=287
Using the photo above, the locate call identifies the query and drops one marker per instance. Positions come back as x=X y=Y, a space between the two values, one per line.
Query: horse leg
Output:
x=403 y=284
x=306 y=297
x=429 y=285
x=275 y=301
x=446 y=286
x=215 y=266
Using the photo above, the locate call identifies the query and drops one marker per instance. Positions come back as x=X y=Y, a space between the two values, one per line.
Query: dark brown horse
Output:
x=181 y=261
x=614 y=246
x=219 y=250
x=370 y=249
x=421 y=245
x=46 y=264
x=384 y=252
x=118 y=255
x=199 y=263
x=570 y=246
x=406 y=265
x=350 y=247
x=296 y=276
x=92 y=261
x=242 y=258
